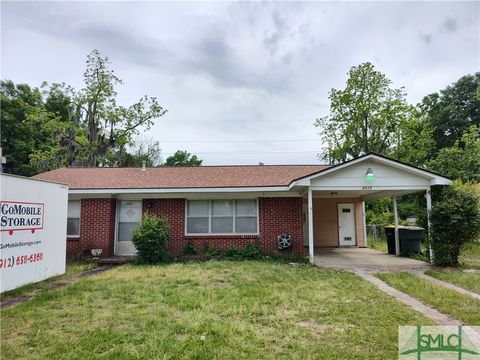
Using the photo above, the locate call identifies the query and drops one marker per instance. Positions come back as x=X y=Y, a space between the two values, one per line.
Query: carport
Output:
x=335 y=198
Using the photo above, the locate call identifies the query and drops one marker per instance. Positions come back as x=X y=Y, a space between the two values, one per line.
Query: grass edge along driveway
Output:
x=469 y=281
x=217 y=309
x=447 y=301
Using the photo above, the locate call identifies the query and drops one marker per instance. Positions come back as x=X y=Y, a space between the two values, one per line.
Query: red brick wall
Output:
x=173 y=210
x=97 y=228
x=276 y=216
x=281 y=216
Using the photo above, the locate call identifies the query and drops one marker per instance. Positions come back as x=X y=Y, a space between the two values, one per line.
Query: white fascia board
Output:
x=178 y=190
x=368 y=188
x=439 y=180
x=434 y=179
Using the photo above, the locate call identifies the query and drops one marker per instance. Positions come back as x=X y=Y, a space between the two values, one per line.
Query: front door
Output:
x=129 y=216
x=346 y=225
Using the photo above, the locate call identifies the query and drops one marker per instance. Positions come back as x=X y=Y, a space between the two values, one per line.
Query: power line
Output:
x=233 y=141
x=247 y=152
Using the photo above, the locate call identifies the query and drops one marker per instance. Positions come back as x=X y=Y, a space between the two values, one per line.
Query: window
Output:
x=73 y=219
x=222 y=217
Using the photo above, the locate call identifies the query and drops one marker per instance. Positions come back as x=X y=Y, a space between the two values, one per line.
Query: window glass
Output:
x=197 y=208
x=246 y=208
x=125 y=230
x=73 y=218
x=222 y=207
x=197 y=225
x=73 y=209
x=222 y=225
x=222 y=217
x=73 y=227
x=246 y=225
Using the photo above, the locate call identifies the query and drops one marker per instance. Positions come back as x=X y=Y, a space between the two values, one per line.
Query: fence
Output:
x=376 y=233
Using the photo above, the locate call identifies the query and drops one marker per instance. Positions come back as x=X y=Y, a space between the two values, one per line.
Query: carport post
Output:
x=310 y=225
x=364 y=219
x=395 y=214
x=428 y=196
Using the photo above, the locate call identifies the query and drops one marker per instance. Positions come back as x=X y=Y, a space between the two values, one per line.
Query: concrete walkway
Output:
x=415 y=304
x=366 y=259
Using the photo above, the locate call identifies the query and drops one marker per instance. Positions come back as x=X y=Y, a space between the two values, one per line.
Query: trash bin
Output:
x=410 y=238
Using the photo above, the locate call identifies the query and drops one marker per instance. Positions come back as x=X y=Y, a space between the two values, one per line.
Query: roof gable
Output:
x=387 y=172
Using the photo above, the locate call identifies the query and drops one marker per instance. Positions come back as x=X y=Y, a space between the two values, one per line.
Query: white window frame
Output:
x=76 y=236
x=209 y=233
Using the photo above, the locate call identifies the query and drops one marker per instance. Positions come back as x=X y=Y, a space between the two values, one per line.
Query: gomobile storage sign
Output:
x=33 y=224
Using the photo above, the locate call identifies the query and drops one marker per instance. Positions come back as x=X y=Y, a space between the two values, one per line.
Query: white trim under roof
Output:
x=434 y=178
x=179 y=190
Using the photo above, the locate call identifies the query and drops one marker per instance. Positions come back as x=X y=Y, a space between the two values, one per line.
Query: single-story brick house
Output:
x=223 y=206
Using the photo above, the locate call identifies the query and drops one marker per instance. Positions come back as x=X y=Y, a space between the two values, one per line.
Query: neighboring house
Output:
x=223 y=206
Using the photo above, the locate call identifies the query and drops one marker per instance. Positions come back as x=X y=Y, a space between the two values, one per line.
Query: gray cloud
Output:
x=427 y=38
x=450 y=24
x=241 y=70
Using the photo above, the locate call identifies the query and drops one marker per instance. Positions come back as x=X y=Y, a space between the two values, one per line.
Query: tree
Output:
x=415 y=143
x=462 y=160
x=142 y=150
x=97 y=127
x=23 y=117
x=183 y=158
x=455 y=220
x=364 y=117
x=453 y=110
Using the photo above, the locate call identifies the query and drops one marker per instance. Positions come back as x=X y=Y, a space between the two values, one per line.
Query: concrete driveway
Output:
x=365 y=259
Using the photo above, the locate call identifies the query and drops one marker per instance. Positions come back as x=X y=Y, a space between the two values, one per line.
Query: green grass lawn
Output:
x=470 y=281
x=211 y=310
x=469 y=259
x=447 y=301
x=378 y=244
x=470 y=256
x=72 y=268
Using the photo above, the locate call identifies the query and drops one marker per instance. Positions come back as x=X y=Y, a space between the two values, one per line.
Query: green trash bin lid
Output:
x=406 y=227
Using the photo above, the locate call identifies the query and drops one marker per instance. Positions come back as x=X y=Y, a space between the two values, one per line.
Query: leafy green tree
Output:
x=183 y=158
x=462 y=160
x=455 y=220
x=142 y=150
x=22 y=121
x=90 y=128
x=65 y=128
x=364 y=117
x=453 y=110
x=415 y=142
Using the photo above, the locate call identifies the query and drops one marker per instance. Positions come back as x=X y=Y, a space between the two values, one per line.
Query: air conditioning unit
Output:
x=284 y=241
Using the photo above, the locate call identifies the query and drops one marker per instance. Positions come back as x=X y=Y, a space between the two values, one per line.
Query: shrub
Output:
x=252 y=251
x=189 y=249
x=233 y=253
x=455 y=220
x=210 y=252
x=150 y=239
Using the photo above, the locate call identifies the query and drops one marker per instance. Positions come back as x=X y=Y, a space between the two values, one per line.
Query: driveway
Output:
x=365 y=259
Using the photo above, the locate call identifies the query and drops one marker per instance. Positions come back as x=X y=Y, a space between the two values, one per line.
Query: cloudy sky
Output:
x=243 y=82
